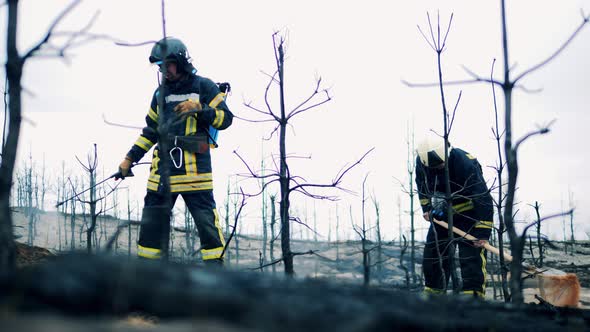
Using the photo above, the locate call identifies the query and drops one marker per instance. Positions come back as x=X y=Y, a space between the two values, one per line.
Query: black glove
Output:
x=439 y=214
x=120 y=175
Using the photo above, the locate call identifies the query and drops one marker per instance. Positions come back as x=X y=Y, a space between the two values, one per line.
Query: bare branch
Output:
x=527 y=90
x=568 y=212
x=585 y=20
x=455 y=110
x=313 y=94
x=336 y=181
x=426 y=39
x=278 y=260
x=135 y=44
x=541 y=131
x=249 y=105
x=45 y=39
x=236 y=218
x=477 y=78
x=432 y=32
x=252 y=173
x=104 y=119
x=273 y=79
x=74 y=35
x=459 y=82
x=327 y=99
x=298 y=221
x=447 y=33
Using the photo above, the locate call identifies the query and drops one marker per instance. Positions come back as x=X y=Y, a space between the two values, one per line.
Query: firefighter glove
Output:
x=187 y=106
x=439 y=214
x=124 y=168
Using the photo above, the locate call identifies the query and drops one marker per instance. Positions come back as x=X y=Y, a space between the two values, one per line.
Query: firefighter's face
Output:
x=172 y=73
x=439 y=167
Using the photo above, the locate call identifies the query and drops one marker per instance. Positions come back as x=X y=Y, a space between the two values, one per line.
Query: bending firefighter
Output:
x=194 y=107
x=471 y=209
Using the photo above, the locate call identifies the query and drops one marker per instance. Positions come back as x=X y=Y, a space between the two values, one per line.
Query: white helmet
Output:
x=432 y=152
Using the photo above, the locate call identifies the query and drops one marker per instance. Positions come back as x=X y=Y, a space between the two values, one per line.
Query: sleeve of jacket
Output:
x=215 y=111
x=422 y=186
x=149 y=134
x=477 y=190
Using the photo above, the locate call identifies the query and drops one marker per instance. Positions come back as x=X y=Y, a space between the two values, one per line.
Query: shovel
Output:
x=556 y=287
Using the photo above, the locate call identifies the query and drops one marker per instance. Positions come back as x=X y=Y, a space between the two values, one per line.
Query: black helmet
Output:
x=175 y=51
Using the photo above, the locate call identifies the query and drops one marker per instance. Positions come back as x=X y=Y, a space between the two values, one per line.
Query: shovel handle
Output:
x=470 y=237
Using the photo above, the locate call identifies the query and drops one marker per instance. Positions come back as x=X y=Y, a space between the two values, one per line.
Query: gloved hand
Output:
x=439 y=214
x=188 y=105
x=124 y=168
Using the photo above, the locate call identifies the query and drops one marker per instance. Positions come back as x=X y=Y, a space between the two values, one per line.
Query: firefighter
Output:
x=472 y=211
x=194 y=107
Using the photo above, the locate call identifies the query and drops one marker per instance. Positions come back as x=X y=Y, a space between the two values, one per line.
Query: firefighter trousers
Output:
x=155 y=224
x=472 y=261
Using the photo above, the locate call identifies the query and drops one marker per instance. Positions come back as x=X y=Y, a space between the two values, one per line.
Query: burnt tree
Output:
x=288 y=182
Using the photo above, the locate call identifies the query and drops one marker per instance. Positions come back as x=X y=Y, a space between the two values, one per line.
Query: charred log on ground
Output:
x=82 y=286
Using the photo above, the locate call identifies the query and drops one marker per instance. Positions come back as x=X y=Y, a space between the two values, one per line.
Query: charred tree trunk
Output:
x=264 y=218
x=539 y=242
x=129 y=224
x=14 y=71
x=227 y=229
x=283 y=174
x=273 y=222
x=93 y=216
x=73 y=227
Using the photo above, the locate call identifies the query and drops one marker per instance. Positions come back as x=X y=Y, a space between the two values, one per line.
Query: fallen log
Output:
x=79 y=285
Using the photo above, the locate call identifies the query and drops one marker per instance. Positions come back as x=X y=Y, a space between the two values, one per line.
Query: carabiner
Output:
x=179 y=164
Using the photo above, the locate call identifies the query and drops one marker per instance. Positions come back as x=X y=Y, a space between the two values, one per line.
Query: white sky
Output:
x=361 y=50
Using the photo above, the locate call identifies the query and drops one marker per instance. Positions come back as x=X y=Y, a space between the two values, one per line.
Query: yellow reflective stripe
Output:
x=211 y=253
x=183 y=186
x=219 y=116
x=144 y=143
x=151 y=253
x=424 y=201
x=179 y=179
x=152 y=186
x=177 y=188
x=462 y=207
x=155 y=161
x=187 y=126
x=153 y=115
x=190 y=159
x=482 y=254
x=189 y=162
x=477 y=293
x=218 y=226
x=484 y=224
x=217 y=100
x=470 y=156
x=429 y=290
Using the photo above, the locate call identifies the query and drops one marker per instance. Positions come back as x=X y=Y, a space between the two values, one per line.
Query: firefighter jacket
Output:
x=190 y=171
x=472 y=203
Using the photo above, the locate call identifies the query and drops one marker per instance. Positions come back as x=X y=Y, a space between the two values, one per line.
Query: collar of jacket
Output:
x=181 y=84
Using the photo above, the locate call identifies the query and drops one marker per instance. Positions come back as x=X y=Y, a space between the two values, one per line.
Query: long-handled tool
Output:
x=117 y=174
x=556 y=287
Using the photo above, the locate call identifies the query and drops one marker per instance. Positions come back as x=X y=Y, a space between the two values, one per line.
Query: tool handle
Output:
x=470 y=237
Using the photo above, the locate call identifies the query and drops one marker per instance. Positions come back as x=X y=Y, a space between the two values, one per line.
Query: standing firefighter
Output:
x=472 y=211
x=194 y=109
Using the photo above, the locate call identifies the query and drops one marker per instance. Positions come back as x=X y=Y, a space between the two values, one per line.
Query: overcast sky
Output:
x=362 y=51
